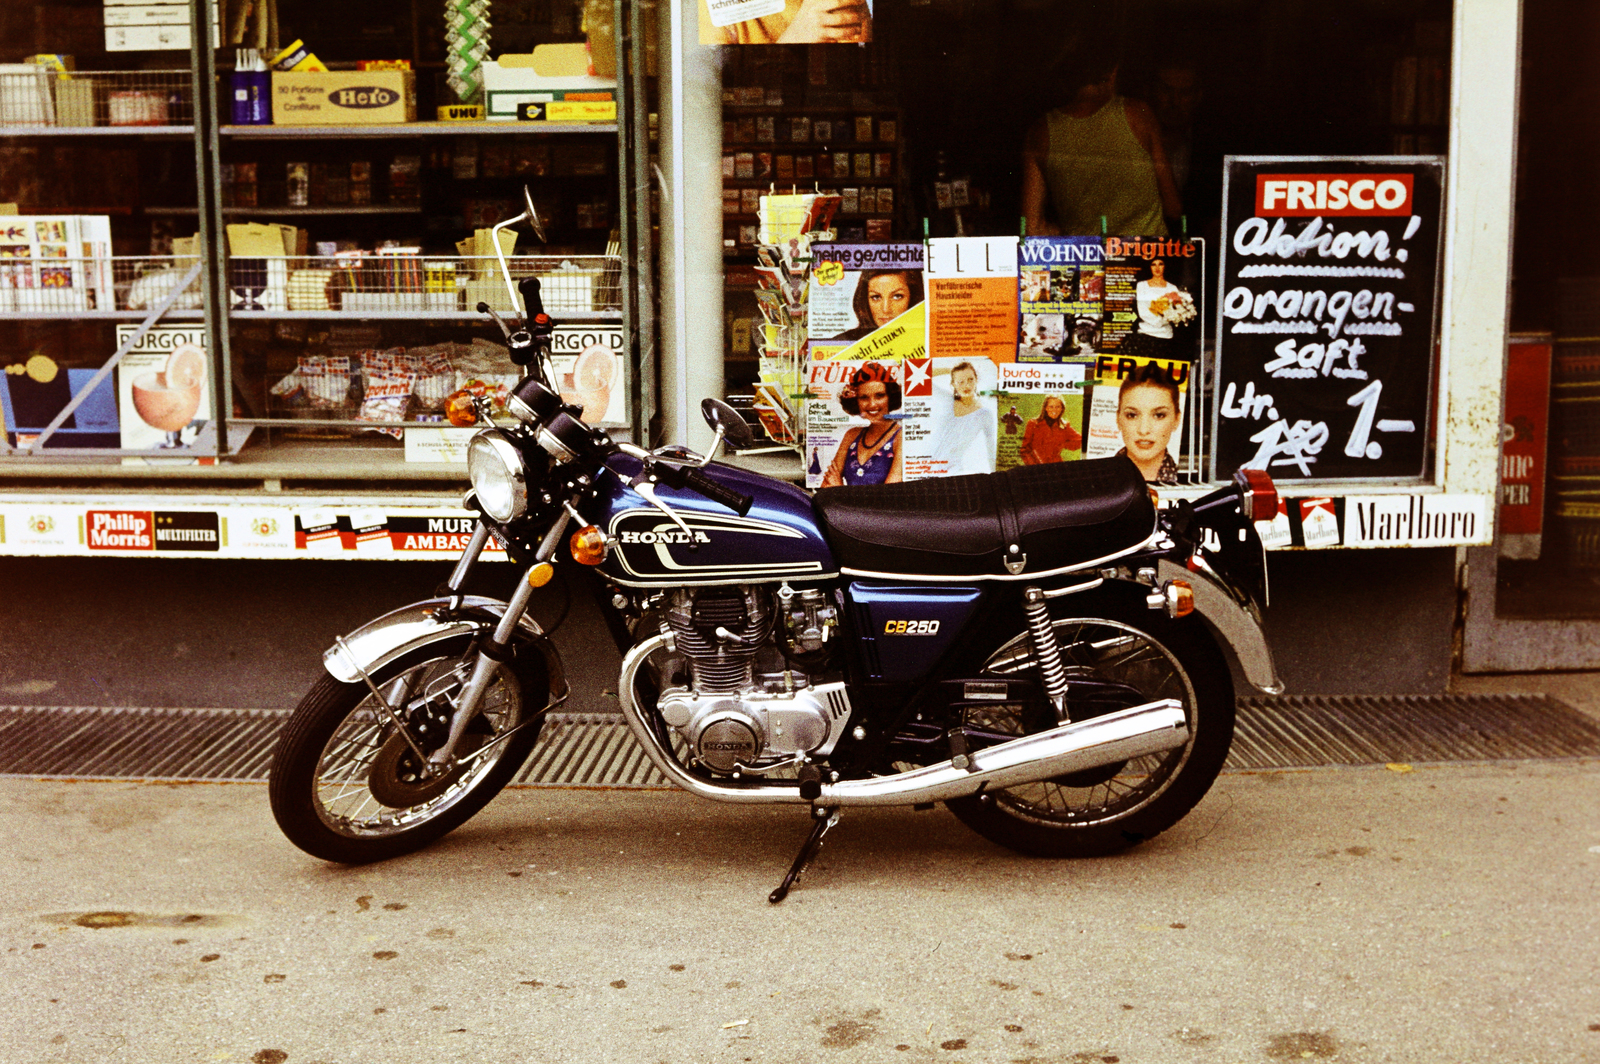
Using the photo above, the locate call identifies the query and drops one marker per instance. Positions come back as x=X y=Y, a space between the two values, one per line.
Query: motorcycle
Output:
x=1040 y=649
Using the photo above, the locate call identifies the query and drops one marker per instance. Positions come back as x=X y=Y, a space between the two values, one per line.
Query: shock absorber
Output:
x=1046 y=651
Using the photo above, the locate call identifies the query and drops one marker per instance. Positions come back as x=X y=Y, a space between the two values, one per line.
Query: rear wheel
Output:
x=345 y=784
x=1112 y=663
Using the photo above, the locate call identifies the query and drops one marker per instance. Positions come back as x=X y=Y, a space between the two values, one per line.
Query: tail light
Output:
x=1257 y=493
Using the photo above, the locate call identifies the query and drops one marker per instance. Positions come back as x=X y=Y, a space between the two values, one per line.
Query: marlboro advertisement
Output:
x=1325 y=335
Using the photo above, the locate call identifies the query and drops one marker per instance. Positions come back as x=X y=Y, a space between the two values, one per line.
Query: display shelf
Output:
x=95 y=131
x=98 y=315
x=319 y=460
x=295 y=212
x=414 y=129
x=461 y=314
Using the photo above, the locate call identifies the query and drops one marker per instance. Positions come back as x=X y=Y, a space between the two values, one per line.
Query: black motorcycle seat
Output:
x=1044 y=516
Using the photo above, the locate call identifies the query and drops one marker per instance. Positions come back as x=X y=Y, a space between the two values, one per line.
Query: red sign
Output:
x=1523 y=453
x=121 y=530
x=1333 y=195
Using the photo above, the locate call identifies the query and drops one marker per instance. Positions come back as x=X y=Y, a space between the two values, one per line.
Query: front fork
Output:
x=497 y=648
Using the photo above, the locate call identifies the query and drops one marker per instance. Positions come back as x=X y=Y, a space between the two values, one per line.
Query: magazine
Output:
x=1041 y=413
x=1061 y=292
x=1152 y=297
x=858 y=288
x=1137 y=407
x=855 y=422
x=950 y=413
x=972 y=297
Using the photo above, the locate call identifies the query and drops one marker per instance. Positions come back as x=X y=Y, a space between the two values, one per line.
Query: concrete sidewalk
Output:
x=1439 y=914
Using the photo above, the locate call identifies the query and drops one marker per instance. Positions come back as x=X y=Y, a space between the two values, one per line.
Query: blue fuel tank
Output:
x=778 y=540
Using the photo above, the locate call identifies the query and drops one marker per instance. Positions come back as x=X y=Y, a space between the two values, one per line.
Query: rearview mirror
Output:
x=735 y=430
x=533 y=215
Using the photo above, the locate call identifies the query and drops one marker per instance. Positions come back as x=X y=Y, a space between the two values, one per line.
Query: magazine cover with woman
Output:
x=1153 y=298
x=1041 y=413
x=856 y=289
x=952 y=421
x=1136 y=408
x=855 y=423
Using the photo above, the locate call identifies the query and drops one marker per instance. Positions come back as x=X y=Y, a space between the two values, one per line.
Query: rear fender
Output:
x=399 y=632
x=1238 y=625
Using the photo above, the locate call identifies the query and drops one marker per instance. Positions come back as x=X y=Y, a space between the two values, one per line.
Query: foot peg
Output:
x=825 y=819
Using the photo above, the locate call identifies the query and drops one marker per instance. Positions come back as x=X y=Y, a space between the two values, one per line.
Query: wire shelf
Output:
x=370 y=283
x=45 y=98
x=44 y=285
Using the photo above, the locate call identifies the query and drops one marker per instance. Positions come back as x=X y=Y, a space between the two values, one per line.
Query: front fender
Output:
x=399 y=632
x=1239 y=626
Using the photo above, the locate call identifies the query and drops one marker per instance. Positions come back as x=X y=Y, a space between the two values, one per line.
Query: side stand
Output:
x=825 y=819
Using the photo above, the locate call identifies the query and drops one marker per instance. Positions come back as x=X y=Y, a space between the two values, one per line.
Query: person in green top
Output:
x=1098 y=155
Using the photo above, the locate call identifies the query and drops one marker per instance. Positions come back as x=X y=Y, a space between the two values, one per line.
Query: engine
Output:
x=745 y=688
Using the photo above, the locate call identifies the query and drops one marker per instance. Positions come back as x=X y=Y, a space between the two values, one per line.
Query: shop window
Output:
x=922 y=131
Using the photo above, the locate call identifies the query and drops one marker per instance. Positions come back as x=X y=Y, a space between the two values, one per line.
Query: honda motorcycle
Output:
x=1040 y=649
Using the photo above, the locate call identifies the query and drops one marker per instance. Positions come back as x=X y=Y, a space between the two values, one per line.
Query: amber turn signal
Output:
x=459 y=409
x=541 y=574
x=589 y=545
x=1180 y=598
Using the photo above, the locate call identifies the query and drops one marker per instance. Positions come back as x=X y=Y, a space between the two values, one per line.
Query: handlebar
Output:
x=697 y=481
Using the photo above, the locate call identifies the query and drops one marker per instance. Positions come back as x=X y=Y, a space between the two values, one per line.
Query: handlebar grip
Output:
x=697 y=481
x=529 y=287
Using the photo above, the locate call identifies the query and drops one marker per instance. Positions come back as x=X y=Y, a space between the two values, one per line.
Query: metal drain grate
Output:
x=97 y=742
x=597 y=750
x=1305 y=731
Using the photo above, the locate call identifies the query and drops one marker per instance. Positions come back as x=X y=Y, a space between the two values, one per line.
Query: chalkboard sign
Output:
x=1326 y=325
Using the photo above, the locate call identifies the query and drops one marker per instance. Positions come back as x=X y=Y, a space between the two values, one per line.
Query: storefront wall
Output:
x=1343 y=621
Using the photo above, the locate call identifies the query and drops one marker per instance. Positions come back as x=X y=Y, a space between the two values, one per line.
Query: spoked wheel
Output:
x=1111 y=664
x=347 y=786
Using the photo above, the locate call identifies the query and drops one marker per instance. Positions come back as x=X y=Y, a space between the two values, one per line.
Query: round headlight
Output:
x=499 y=477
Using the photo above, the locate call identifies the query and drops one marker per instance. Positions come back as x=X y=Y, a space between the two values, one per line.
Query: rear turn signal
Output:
x=1258 y=493
x=1180 y=598
x=589 y=545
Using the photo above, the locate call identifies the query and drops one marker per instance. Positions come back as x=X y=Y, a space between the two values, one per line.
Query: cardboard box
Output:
x=344 y=97
x=552 y=84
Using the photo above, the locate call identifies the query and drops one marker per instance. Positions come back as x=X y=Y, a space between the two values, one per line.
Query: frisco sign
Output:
x=1335 y=195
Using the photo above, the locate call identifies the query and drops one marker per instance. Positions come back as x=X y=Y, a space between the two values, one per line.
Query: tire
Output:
x=341 y=782
x=1128 y=656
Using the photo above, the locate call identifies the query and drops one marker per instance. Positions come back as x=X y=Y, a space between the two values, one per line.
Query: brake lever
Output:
x=647 y=488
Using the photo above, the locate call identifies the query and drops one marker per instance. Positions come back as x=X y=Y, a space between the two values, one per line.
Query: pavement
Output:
x=1427 y=913
x=1445 y=913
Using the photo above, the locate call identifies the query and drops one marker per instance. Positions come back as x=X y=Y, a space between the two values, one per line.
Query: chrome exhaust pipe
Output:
x=1128 y=733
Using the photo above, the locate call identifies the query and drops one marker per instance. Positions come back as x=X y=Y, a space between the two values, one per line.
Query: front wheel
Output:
x=1112 y=663
x=346 y=786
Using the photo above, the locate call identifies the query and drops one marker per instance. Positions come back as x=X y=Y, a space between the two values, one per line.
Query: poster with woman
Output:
x=1041 y=414
x=953 y=424
x=855 y=431
x=1136 y=408
x=856 y=289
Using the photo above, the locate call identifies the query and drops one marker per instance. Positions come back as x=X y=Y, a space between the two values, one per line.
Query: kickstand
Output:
x=825 y=819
